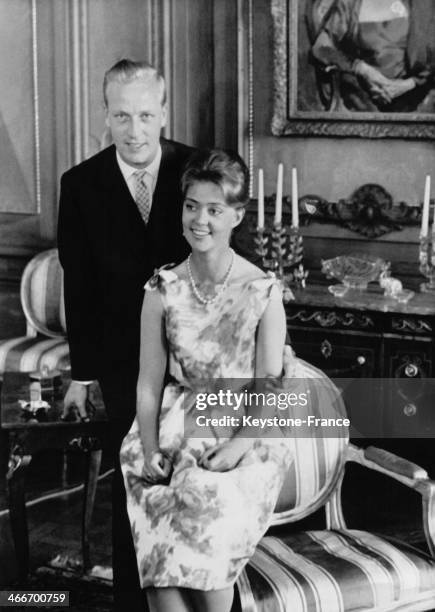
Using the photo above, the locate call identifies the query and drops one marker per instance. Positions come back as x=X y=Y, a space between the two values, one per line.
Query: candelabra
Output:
x=427 y=262
x=281 y=251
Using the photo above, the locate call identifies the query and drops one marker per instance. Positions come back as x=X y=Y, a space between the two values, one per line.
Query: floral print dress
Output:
x=199 y=530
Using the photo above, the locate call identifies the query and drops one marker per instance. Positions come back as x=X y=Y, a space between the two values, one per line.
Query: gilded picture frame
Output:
x=297 y=112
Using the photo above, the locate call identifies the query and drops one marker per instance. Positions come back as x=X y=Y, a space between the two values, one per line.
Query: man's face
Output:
x=135 y=116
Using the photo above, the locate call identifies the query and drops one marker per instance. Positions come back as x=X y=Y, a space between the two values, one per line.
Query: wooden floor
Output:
x=374 y=503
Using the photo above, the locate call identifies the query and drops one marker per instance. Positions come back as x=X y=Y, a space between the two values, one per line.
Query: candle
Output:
x=260 y=199
x=425 y=212
x=278 y=203
x=295 y=199
x=433 y=234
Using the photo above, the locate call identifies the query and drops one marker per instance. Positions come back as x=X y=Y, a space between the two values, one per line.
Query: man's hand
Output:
x=76 y=395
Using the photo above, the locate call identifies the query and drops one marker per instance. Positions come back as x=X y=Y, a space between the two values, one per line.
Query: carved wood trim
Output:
x=368 y=211
x=250 y=100
x=416 y=326
x=244 y=57
x=331 y=318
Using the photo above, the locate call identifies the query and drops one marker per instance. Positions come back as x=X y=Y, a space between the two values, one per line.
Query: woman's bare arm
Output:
x=153 y=358
x=270 y=341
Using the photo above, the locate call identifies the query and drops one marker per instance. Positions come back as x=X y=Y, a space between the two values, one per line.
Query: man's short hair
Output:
x=127 y=70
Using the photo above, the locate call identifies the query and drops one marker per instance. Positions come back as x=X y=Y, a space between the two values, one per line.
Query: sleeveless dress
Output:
x=199 y=530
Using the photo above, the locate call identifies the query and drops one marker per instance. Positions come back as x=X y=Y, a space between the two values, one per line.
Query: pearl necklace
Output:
x=223 y=285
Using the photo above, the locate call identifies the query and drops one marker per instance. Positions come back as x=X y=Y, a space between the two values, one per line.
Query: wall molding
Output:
x=245 y=66
x=36 y=130
x=78 y=56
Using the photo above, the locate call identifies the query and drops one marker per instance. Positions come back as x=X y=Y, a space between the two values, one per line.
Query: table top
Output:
x=12 y=416
x=372 y=299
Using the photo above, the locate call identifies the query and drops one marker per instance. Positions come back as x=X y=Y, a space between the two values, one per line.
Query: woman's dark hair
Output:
x=226 y=169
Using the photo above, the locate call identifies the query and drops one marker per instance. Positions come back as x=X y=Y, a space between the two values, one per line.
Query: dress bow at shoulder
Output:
x=276 y=288
x=161 y=276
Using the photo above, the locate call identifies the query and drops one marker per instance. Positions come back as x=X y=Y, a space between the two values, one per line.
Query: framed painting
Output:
x=355 y=68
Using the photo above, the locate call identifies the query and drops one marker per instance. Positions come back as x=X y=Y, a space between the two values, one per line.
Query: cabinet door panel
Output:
x=409 y=358
x=338 y=355
x=344 y=357
x=409 y=388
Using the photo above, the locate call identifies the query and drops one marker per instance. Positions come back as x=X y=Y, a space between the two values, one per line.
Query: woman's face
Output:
x=207 y=219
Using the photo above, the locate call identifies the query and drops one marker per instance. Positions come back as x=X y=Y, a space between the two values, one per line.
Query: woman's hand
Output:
x=382 y=89
x=157 y=467
x=376 y=82
x=398 y=87
x=225 y=456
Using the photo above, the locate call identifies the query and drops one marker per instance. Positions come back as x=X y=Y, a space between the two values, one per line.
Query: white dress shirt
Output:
x=150 y=176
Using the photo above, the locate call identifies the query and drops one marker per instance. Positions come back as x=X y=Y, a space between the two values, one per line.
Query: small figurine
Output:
x=393 y=287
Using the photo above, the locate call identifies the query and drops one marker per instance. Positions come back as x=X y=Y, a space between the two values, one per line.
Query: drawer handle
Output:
x=411 y=370
x=326 y=349
x=410 y=410
x=361 y=360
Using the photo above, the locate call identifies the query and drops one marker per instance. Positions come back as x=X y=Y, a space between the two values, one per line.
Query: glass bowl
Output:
x=354 y=271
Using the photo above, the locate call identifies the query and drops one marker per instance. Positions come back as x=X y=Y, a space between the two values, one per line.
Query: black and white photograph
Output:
x=217 y=305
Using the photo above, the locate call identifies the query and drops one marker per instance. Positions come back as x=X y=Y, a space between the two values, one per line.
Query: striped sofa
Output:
x=337 y=569
x=42 y=301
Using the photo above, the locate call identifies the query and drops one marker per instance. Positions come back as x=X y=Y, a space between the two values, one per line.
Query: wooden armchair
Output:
x=339 y=569
x=42 y=301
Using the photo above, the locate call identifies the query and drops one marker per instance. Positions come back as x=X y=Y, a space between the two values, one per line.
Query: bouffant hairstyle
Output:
x=226 y=169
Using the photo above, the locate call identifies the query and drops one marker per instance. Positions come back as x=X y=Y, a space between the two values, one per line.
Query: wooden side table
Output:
x=20 y=438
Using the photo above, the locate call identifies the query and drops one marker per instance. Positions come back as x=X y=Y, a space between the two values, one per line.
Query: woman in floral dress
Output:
x=199 y=505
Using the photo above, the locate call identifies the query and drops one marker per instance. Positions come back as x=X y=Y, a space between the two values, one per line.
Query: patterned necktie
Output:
x=142 y=195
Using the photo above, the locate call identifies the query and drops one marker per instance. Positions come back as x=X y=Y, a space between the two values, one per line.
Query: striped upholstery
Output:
x=43 y=306
x=318 y=460
x=26 y=354
x=42 y=294
x=336 y=571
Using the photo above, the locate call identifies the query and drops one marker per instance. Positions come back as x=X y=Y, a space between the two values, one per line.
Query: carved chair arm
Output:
x=402 y=470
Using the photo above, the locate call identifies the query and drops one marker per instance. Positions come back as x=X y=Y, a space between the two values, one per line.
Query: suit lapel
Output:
x=114 y=186
x=167 y=197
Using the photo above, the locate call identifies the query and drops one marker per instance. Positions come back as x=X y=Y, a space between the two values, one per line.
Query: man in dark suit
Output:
x=116 y=225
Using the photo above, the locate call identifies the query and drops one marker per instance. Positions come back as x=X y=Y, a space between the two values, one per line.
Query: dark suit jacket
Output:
x=108 y=253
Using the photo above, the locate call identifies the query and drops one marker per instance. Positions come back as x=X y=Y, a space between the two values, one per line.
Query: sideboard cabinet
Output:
x=367 y=336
